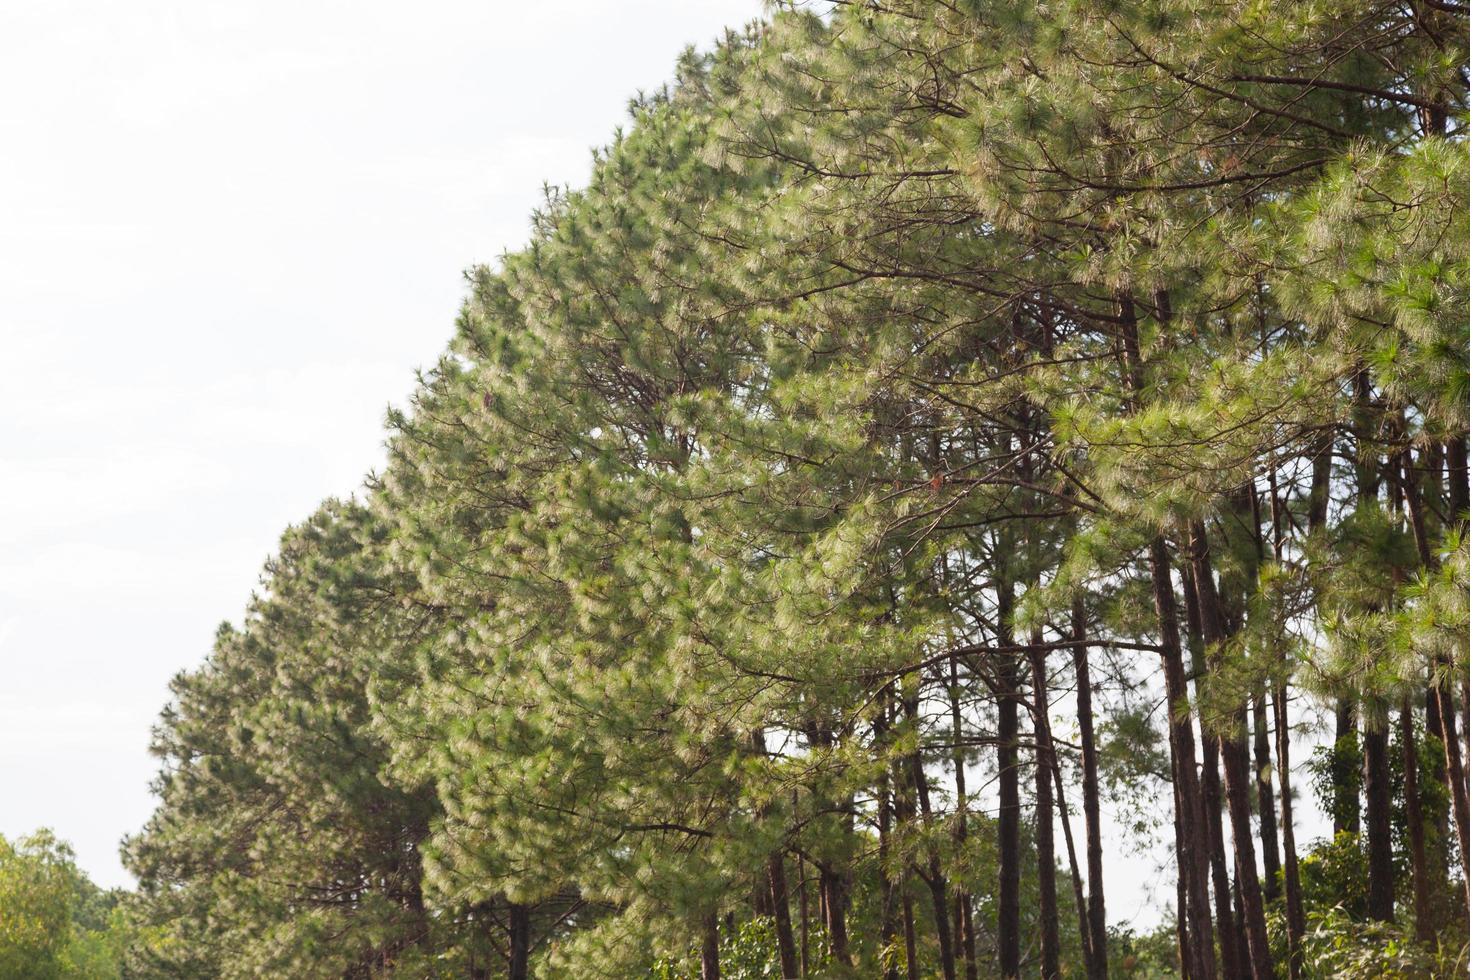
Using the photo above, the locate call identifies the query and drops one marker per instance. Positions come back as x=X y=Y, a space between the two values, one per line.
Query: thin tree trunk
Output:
x=805 y=916
x=1225 y=920
x=1296 y=919
x=709 y=954
x=834 y=901
x=935 y=879
x=1380 y=844
x=1454 y=769
x=887 y=924
x=781 y=912
x=964 y=904
x=910 y=939
x=1046 y=862
x=520 y=941
x=1194 y=850
x=1182 y=918
x=1414 y=816
x=1008 y=913
x=1266 y=799
x=1097 y=964
x=1192 y=842
x=1236 y=759
x=1295 y=916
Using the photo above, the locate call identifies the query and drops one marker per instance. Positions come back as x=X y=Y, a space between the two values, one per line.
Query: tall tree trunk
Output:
x=1193 y=840
x=709 y=953
x=1414 y=816
x=1460 y=804
x=887 y=914
x=520 y=941
x=1231 y=962
x=781 y=912
x=1097 y=964
x=1236 y=759
x=964 y=904
x=1182 y=918
x=935 y=879
x=1296 y=917
x=1454 y=769
x=1378 y=795
x=1345 y=773
x=1193 y=847
x=1046 y=862
x=1008 y=912
x=1266 y=798
x=805 y=915
x=834 y=902
x=910 y=938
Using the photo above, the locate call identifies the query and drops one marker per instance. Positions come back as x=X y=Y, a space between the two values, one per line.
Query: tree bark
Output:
x=1046 y=862
x=935 y=879
x=1379 y=800
x=1193 y=841
x=709 y=954
x=1225 y=920
x=1008 y=912
x=1194 y=852
x=834 y=903
x=1236 y=759
x=964 y=905
x=1414 y=816
x=781 y=912
x=520 y=941
x=1097 y=964
x=1266 y=799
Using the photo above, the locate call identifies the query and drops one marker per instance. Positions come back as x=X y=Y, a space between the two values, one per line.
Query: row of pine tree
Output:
x=943 y=437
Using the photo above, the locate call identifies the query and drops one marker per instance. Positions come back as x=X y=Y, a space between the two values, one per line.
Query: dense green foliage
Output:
x=936 y=425
x=54 y=923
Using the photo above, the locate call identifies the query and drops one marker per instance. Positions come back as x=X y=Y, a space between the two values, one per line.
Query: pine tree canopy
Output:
x=942 y=441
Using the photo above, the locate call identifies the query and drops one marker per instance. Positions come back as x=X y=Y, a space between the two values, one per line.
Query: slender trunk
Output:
x=1225 y=919
x=1414 y=816
x=1242 y=947
x=1345 y=774
x=964 y=904
x=935 y=879
x=1008 y=913
x=709 y=954
x=1046 y=862
x=1460 y=804
x=1193 y=842
x=1266 y=799
x=910 y=939
x=834 y=901
x=805 y=916
x=781 y=912
x=1097 y=964
x=1378 y=795
x=1454 y=770
x=1236 y=759
x=520 y=942
x=1296 y=918
x=1193 y=848
x=1182 y=868
x=887 y=924
x=1084 y=929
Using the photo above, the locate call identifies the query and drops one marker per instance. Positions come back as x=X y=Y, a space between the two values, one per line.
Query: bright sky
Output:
x=229 y=233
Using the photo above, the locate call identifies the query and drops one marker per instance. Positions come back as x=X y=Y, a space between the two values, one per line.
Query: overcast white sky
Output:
x=229 y=233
